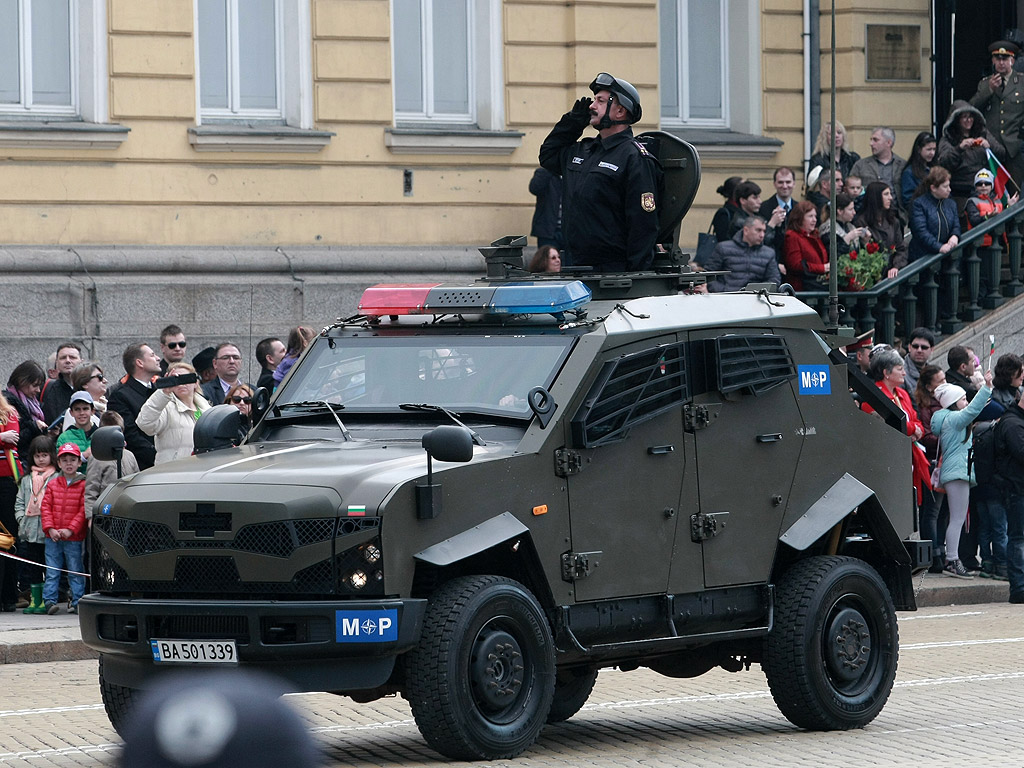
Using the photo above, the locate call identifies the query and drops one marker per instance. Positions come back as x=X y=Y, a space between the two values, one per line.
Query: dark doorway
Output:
x=963 y=30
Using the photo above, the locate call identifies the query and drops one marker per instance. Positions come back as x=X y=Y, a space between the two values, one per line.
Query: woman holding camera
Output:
x=170 y=414
x=963 y=149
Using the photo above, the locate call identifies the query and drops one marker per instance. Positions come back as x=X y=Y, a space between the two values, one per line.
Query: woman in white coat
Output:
x=170 y=414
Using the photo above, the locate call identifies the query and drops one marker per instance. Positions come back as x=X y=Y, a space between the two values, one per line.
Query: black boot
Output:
x=938 y=561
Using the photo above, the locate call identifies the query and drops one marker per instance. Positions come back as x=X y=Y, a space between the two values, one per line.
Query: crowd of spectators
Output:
x=966 y=426
x=49 y=480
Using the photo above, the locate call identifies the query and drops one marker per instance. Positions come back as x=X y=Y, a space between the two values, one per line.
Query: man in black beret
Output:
x=1000 y=98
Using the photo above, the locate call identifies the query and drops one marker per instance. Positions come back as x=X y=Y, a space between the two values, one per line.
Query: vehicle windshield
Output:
x=490 y=374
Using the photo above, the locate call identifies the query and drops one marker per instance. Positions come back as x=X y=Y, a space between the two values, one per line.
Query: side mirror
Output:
x=108 y=443
x=260 y=403
x=449 y=443
x=445 y=443
x=217 y=428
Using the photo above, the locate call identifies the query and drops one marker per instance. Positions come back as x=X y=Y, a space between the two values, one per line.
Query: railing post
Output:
x=949 y=294
x=970 y=263
x=907 y=301
x=1013 y=233
x=886 y=327
x=992 y=267
x=929 y=297
x=865 y=319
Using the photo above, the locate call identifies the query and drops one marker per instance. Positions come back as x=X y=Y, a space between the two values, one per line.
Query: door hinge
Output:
x=567 y=462
x=577 y=565
x=704 y=526
x=695 y=417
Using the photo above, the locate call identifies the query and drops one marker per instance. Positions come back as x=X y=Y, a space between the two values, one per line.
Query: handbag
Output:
x=706 y=243
x=937 y=486
x=6 y=539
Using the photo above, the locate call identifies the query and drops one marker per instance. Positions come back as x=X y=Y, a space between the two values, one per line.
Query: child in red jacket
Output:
x=63 y=514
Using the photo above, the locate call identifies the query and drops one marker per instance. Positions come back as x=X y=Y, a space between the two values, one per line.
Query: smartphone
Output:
x=172 y=381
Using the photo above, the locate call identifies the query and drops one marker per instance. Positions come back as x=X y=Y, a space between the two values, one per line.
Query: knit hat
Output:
x=984 y=175
x=947 y=394
x=224 y=719
x=71 y=448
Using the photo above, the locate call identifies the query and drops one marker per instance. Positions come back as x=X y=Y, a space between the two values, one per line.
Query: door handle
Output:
x=661 y=450
x=770 y=438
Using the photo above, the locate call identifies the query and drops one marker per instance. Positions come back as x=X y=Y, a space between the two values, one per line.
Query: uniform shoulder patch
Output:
x=647 y=201
x=642 y=148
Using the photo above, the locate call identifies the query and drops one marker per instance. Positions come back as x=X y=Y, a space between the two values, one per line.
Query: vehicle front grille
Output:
x=276 y=539
x=353 y=570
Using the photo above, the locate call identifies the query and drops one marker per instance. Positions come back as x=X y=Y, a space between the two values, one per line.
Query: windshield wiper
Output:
x=318 y=404
x=441 y=409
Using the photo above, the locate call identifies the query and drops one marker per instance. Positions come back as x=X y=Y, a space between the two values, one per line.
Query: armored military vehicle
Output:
x=478 y=495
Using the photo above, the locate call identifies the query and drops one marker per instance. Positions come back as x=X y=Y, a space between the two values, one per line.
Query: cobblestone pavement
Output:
x=957 y=701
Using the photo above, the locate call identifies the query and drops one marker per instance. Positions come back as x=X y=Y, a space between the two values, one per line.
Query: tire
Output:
x=831 y=657
x=481 y=679
x=118 y=701
x=572 y=689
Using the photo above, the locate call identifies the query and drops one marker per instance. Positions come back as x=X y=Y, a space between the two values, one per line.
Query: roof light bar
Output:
x=523 y=297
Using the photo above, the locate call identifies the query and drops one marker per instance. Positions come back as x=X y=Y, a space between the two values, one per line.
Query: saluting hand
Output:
x=581 y=110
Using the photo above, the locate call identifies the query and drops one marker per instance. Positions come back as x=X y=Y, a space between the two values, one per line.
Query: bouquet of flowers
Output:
x=859 y=269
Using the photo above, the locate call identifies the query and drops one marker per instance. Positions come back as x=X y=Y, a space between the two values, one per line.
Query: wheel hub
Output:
x=497 y=669
x=848 y=648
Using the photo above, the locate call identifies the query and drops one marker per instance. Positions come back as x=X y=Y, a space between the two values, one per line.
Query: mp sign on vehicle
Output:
x=366 y=626
x=814 y=380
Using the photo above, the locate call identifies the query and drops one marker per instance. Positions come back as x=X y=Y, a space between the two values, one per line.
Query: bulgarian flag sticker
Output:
x=357 y=510
x=1002 y=176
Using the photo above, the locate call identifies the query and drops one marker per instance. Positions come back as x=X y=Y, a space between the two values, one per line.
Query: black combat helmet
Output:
x=627 y=95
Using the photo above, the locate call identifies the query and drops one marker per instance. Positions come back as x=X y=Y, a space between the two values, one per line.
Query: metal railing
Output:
x=942 y=292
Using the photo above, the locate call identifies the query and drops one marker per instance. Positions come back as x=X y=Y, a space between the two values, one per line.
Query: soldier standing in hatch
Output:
x=609 y=182
x=1000 y=98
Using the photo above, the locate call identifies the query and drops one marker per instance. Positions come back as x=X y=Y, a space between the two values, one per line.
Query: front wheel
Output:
x=831 y=657
x=118 y=701
x=481 y=679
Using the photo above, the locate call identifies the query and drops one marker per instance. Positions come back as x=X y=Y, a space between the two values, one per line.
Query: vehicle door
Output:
x=625 y=462
x=748 y=436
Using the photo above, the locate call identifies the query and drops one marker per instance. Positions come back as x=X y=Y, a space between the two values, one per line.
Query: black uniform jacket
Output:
x=609 y=190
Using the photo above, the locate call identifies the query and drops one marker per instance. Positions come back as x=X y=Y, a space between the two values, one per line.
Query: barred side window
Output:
x=754 y=364
x=630 y=390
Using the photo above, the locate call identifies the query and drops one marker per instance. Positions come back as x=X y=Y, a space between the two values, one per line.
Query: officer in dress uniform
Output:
x=1000 y=98
x=609 y=182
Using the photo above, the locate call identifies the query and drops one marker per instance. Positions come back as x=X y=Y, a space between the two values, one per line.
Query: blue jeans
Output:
x=1015 y=541
x=63 y=554
x=988 y=502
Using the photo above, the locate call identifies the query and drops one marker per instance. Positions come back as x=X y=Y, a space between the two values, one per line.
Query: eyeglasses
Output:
x=176 y=344
x=236 y=400
x=99 y=376
x=920 y=346
x=233 y=358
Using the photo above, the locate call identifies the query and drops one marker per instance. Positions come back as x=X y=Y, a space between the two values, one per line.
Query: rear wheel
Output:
x=831 y=658
x=481 y=679
x=573 y=687
x=118 y=701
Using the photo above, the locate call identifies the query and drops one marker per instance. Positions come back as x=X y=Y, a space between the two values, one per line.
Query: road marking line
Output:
x=941 y=616
x=959 y=643
x=49 y=710
x=6 y=757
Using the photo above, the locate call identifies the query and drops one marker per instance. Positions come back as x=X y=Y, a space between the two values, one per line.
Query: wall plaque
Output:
x=893 y=52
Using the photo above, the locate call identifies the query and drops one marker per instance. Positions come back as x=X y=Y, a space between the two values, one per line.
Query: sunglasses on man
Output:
x=176 y=344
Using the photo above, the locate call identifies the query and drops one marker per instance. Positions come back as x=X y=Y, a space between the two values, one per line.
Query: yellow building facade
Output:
x=141 y=165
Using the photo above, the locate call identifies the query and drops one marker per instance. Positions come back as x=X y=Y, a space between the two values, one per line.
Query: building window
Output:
x=240 y=59
x=694 y=62
x=434 y=73
x=38 y=57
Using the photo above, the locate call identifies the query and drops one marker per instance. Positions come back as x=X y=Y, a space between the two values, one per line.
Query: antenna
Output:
x=833 y=273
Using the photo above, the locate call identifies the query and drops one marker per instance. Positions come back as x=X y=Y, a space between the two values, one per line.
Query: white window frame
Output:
x=294 y=69
x=683 y=119
x=88 y=56
x=486 y=78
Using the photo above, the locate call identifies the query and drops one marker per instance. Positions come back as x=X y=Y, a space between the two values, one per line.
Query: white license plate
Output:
x=195 y=651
